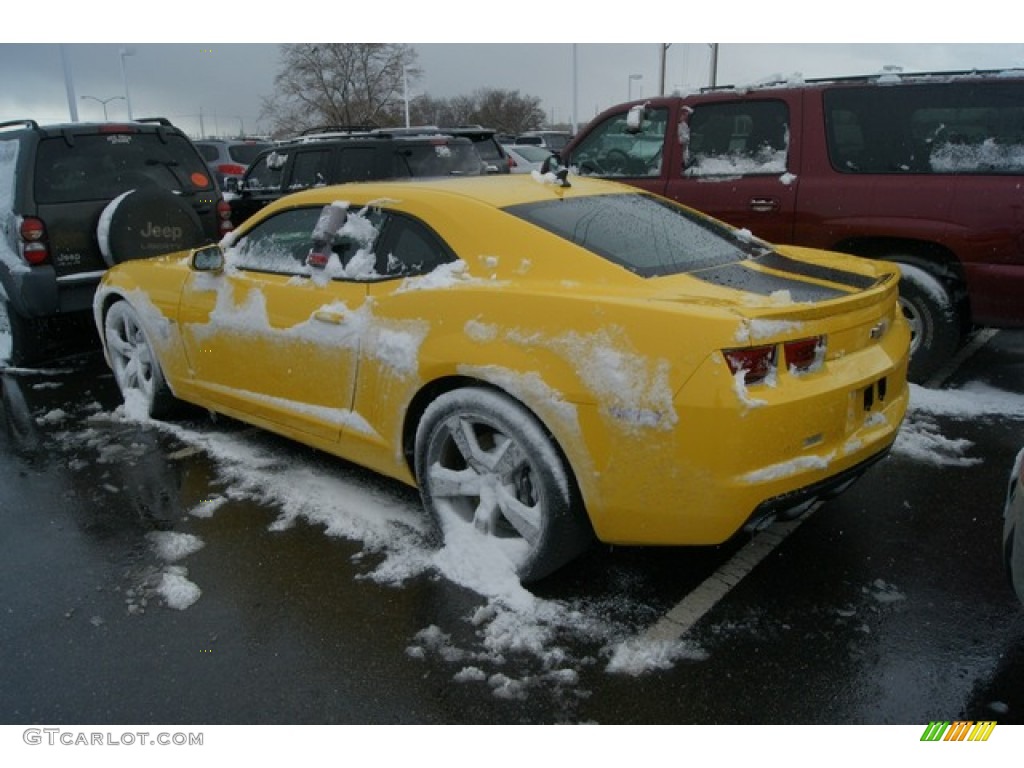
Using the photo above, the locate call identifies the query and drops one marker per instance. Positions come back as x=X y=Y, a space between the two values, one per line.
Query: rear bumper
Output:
x=38 y=292
x=793 y=503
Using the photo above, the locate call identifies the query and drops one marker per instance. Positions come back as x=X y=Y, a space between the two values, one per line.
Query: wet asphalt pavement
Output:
x=886 y=605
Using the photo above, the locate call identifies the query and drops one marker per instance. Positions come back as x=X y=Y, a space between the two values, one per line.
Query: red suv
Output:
x=924 y=170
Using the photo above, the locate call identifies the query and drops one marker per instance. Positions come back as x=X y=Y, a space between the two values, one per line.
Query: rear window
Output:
x=209 y=152
x=941 y=128
x=244 y=154
x=488 y=149
x=102 y=166
x=648 y=236
x=437 y=159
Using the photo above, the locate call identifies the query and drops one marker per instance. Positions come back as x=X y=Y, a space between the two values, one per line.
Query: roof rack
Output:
x=412 y=130
x=21 y=123
x=157 y=120
x=360 y=128
x=888 y=74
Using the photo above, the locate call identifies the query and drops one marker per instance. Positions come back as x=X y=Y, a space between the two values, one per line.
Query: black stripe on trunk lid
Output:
x=782 y=263
x=742 y=278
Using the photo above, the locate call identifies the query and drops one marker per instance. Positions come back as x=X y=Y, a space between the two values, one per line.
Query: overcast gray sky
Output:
x=217 y=88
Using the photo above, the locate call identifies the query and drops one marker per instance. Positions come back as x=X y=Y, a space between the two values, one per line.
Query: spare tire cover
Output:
x=147 y=222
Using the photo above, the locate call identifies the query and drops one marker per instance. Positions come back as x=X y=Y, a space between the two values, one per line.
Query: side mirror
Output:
x=554 y=166
x=209 y=258
x=635 y=118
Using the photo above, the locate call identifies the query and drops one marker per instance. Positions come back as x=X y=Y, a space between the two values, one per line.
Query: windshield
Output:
x=102 y=166
x=646 y=235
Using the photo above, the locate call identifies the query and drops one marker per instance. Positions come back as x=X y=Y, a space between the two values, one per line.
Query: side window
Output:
x=265 y=173
x=410 y=248
x=356 y=164
x=745 y=138
x=310 y=169
x=8 y=164
x=289 y=244
x=939 y=128
x=612 y=149
x=278 y=245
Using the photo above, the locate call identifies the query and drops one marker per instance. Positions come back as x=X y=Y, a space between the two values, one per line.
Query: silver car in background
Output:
x=526 y=157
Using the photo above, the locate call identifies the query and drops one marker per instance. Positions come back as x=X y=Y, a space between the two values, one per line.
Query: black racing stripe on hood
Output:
x=742 y=278
x=782 y=263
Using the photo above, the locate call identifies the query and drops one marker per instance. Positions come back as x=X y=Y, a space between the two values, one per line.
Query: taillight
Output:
x=229 y=169
x=804 y=355
x=757 y=363
x=224 y=214
x=33 y=240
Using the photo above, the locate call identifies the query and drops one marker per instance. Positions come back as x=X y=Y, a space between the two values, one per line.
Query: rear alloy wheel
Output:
x=934 y=324
x=483 y=460
x=135 y=366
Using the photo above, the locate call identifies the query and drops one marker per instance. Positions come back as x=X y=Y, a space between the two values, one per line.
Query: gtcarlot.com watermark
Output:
x=54 y=737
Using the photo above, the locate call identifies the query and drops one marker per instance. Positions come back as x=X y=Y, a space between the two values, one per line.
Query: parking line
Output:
x=687 y=612
x=976 y=342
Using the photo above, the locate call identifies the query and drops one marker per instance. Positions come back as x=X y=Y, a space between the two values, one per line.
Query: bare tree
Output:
x=339 y=84
x=505 y=111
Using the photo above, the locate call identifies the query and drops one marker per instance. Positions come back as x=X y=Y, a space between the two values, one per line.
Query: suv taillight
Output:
x=231 y=170
x=33 y=240
x=224 y=214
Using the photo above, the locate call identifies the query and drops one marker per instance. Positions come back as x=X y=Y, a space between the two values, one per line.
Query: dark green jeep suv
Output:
x=76 y=199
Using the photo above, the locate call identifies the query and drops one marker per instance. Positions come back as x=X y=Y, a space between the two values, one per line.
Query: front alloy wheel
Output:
x=133 y=362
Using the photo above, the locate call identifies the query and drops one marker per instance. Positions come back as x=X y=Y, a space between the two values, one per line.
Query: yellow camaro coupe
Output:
x=545 y=362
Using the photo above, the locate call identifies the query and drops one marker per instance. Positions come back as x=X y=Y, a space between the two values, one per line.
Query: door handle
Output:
x=327 y=316
x=764 y=204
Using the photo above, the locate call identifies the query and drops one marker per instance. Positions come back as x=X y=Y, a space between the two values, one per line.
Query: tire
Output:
x=483 y=460
x=22 y=339
x=136 y=368
x=935 y=333
x=1013 y=533
x=147 y=222
x=1013 y=554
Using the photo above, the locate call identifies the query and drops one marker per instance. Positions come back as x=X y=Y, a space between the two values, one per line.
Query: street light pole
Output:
x=124 y=78
x=104 y=102
x=662 y=56
x=629 y=86
x=69 y=83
